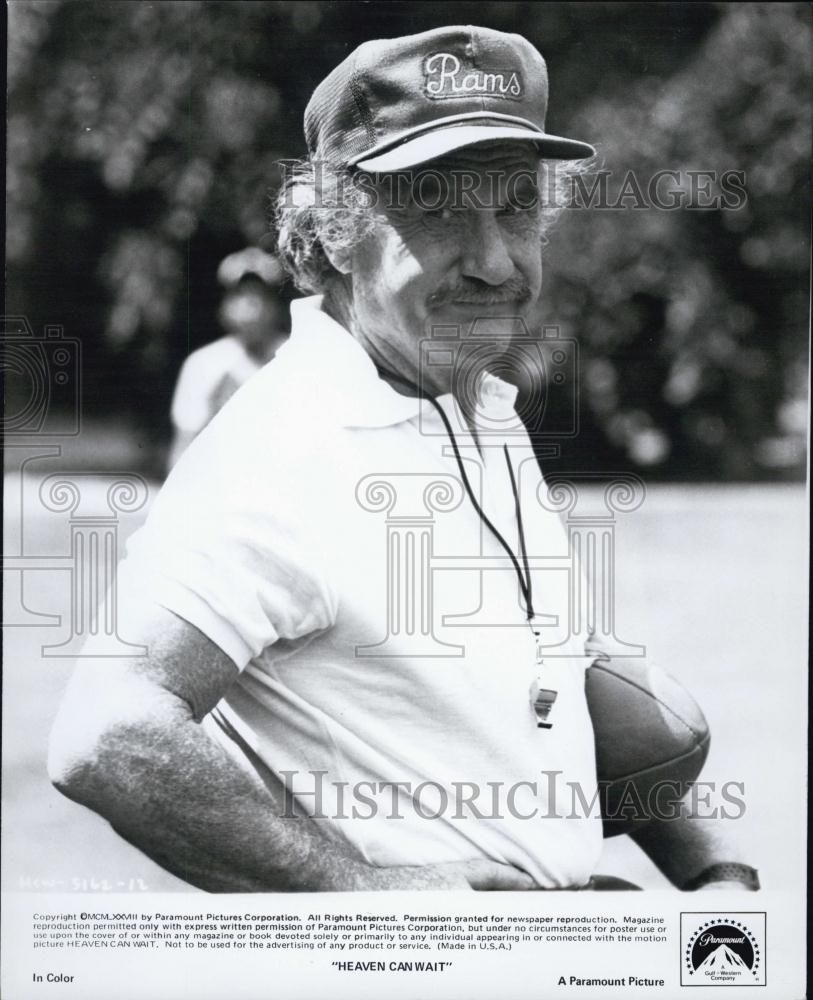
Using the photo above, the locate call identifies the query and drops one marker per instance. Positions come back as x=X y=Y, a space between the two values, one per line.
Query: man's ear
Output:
x=340 y=259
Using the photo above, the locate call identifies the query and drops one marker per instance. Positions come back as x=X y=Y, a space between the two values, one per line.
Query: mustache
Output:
x=481 y=293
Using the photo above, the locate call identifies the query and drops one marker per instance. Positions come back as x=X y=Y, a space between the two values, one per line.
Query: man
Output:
x=289 y=577
x=252 y=316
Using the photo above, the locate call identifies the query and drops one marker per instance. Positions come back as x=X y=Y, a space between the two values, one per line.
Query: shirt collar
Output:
x=336 y=365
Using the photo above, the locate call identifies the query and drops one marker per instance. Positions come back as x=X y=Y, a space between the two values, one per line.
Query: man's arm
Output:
x=127 y=743
x=682 y=848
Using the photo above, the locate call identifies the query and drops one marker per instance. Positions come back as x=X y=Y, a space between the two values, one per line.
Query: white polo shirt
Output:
x=318 y=532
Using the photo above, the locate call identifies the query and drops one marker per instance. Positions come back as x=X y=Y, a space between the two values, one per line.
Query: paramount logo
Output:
x=722 y=959
x=726 y=949
x=711 y=939
x=446 y=77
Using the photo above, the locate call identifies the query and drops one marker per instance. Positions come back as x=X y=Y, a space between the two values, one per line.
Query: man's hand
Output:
x=728 y=885
x=482 y=875
x=682 y=848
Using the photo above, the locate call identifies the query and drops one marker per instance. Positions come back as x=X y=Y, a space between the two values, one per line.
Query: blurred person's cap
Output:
x=250 y=262
x=399 y=102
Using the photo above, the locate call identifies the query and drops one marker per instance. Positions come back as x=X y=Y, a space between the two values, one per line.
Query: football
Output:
x=651 y=741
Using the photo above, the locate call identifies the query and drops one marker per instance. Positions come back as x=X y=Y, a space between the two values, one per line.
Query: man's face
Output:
x=253 y=316
x=456 y=240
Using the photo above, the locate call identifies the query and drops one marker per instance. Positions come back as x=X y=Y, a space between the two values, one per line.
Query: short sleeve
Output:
x=225 y=549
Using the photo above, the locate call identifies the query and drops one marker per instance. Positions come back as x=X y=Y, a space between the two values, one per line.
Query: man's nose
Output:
x=485 y=255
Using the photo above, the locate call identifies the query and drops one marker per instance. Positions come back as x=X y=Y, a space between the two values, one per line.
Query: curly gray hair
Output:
x=319 y=208
x=322 y=210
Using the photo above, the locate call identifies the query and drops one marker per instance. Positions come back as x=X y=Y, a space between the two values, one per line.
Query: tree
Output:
x=144 y=142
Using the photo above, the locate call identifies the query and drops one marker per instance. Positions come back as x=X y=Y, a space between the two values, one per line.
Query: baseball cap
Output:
x=248 y=262
x=396 y=103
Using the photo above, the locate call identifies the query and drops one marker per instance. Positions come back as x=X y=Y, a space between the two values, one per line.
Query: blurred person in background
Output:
x=253 y=317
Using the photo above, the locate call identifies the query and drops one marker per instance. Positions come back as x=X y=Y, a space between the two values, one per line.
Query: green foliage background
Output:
x=143 y=141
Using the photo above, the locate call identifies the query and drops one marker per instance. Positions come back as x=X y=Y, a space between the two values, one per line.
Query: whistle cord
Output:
x=523 y=572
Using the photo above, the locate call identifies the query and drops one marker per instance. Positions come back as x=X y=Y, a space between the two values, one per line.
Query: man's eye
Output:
x=522 y=203
x=444 y=212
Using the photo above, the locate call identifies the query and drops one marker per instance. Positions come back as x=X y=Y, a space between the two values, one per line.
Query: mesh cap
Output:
x=396 y=103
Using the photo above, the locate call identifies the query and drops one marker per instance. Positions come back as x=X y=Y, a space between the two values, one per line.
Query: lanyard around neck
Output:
x=523 y=572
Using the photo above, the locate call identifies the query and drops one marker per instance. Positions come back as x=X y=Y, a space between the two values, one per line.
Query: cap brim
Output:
x=431 y=145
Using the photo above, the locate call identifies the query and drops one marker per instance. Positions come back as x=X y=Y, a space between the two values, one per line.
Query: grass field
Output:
x=712 y=579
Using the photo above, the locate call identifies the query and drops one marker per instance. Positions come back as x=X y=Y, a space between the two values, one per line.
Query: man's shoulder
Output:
x=274 y=421
x=277 y=398
x=215 y=356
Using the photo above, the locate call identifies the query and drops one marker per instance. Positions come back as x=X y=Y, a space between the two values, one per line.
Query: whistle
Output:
x=542 y=700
